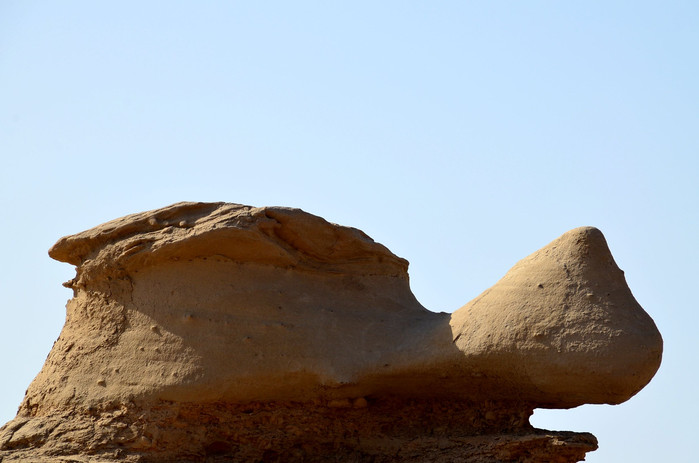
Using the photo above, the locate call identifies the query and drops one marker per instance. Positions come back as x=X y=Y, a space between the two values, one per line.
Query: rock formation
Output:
x=222 y=332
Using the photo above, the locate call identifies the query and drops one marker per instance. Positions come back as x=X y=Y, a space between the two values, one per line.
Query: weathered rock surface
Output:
x=563 y=327
x=221 y=332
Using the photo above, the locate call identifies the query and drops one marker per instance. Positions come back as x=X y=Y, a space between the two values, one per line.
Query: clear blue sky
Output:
x=462 y=135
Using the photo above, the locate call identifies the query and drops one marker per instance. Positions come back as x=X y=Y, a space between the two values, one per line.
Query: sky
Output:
x=462 y=135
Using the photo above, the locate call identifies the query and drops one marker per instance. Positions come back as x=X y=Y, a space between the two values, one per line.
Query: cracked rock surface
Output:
x=222 y=332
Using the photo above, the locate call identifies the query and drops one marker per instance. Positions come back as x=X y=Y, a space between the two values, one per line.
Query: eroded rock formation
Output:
x=221 y=332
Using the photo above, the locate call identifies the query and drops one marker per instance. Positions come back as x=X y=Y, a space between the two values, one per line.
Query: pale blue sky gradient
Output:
x=462 y=135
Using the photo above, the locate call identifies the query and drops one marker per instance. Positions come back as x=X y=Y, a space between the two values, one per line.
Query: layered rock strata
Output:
x=222 y=332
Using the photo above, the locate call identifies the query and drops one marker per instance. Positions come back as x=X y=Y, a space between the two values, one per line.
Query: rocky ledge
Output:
x=222 y=332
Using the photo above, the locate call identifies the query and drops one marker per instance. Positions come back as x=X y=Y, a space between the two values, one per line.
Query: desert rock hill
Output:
x=222 y=332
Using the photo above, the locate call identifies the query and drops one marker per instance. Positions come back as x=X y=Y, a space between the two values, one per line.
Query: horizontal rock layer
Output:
x=373 y=430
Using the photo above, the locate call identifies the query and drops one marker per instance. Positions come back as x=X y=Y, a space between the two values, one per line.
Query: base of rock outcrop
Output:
x=358 y=430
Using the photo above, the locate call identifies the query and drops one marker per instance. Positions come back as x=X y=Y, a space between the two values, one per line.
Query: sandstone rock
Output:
x=213 y=330
x=563 y=326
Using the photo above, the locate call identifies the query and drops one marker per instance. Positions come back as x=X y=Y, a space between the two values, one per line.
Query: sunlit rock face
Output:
x=220 y=331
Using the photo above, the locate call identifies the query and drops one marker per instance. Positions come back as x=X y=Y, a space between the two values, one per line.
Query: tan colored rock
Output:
x=272 y=318
x=563 y=326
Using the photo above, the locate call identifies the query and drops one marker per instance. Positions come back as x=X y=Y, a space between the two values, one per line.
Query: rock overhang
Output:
x=560 y=329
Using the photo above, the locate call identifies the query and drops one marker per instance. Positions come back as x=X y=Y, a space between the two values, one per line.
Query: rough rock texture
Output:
x=221 y=332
